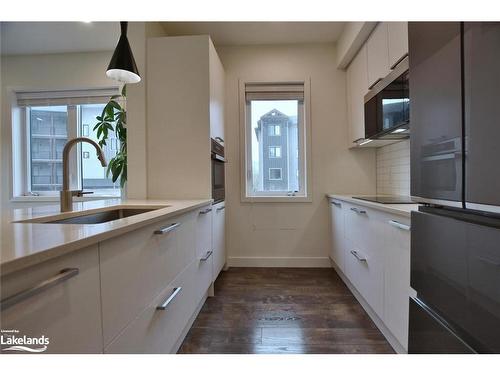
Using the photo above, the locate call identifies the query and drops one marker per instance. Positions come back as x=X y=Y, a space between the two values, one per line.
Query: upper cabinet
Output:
x=185 y=107
x=397 y=42
x=357 y=87
x=378 y=54
x=216 y=95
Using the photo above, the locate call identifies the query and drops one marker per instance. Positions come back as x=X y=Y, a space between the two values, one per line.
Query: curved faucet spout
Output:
x=67 y=149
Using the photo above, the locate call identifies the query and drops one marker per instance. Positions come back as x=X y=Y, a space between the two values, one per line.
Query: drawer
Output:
x=158 y=330
x=67 y=311
x=364 y=227
x=137 y=266
x=365 y=270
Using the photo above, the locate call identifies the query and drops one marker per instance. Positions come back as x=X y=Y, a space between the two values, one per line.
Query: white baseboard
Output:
x=393 y=341
x=295 y=262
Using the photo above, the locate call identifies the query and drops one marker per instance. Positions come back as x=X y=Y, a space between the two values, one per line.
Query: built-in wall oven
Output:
x=218 y=172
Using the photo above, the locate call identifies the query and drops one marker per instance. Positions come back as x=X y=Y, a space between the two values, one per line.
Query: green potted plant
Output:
x=114 y=119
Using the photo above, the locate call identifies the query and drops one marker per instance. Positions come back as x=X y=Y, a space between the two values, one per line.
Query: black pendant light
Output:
x=122 y=65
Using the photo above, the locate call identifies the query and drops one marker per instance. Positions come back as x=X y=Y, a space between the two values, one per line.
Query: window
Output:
x=275 y=151
x=274 y=129
x=47 y=121
x=275 y=173
x=275 y=139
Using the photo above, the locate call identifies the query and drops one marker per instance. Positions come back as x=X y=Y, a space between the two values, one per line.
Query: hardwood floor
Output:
x=283 y=310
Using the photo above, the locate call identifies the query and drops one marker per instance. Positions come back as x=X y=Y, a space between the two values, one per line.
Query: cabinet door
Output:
x=68 y=312
x=377 y=54
x=337 y=233
x=218 y=238
x=436 y=110
x=357 y=87
x=397 y=277
x=204 y=231
x=482 y=82
x=216 y=95
x=397 y=40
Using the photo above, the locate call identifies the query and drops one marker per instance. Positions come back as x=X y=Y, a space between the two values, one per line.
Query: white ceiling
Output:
x=234 y=33
x=21 y=38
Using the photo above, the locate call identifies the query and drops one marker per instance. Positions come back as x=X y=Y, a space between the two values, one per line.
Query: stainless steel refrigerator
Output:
x=455 y=172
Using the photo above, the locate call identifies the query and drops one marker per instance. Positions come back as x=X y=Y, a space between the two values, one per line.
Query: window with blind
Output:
x=275 y=139
x=47 y=120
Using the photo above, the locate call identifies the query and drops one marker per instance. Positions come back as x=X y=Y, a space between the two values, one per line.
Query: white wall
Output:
x=294 y=234
x=54 y=71
x=393 y=169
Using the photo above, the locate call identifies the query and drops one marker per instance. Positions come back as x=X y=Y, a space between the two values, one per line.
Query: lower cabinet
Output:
x=375 y=249
x=63 y=304
x=219 y=238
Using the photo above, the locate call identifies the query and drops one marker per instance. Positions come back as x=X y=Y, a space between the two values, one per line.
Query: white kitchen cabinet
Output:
x=375 y=247
x=397 y=40
x=219 y=238
x=397 y=277
x=68 y=312
x=203 y=231
x=337 y=251
x=137 y=266
x=357 y=87
x=377 y=54
x=217 y=92
x=185 y=107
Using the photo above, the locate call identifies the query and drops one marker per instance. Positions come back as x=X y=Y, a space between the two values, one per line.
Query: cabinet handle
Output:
x=62 y=276
x=338 y=204
x=357 y=256
x=399 y=225
x=399 y=60
x=374 y=83
x=207 y=255
x=169 y=299
x=205 y=211
x=220 y=208
x=357 y=210
x=168 y=229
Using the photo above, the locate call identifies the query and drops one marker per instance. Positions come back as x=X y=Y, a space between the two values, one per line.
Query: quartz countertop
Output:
x=27 y=244
x=397 y=209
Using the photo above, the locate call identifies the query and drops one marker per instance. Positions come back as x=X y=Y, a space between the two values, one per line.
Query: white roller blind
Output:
x=274 y=91
x=65 y=97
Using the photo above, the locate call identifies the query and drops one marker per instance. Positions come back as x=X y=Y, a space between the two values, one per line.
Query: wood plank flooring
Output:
x=283 y=310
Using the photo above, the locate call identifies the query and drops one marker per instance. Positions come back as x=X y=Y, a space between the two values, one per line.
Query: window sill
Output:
x=50 y=198
x=265 y=199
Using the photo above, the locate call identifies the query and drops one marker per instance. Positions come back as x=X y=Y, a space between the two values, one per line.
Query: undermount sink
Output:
x=99 y=217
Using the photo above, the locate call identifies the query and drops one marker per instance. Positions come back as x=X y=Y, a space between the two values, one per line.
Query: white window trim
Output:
x=18 y=167
x=245 y=148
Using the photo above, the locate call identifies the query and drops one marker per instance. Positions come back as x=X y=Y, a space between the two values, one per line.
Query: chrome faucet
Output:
x=66 y=194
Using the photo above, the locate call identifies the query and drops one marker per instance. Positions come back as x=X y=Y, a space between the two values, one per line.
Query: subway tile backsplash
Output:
x=393 y=169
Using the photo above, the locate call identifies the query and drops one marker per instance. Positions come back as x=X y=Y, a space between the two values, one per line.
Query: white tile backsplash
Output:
x=393 y=169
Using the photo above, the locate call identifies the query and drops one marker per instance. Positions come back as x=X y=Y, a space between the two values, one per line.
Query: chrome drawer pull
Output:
x=358 y=211
x=357 y=256
x=399 y=225
x=168 y=229
x=220 y=208
x=169 y=299
x=207 y=255
x=63 y=275
x=338 y=204
x=205 y=211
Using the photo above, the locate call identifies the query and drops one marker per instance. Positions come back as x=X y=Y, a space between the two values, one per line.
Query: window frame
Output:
x=305 y=170
x=20 y=145
x=275 y=156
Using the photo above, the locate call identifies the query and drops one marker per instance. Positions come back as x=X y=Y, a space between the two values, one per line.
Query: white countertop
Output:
x=26 y=244
x=397 y=209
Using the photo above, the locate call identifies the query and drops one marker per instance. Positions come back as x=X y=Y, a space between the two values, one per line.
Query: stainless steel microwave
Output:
x=387 y=106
